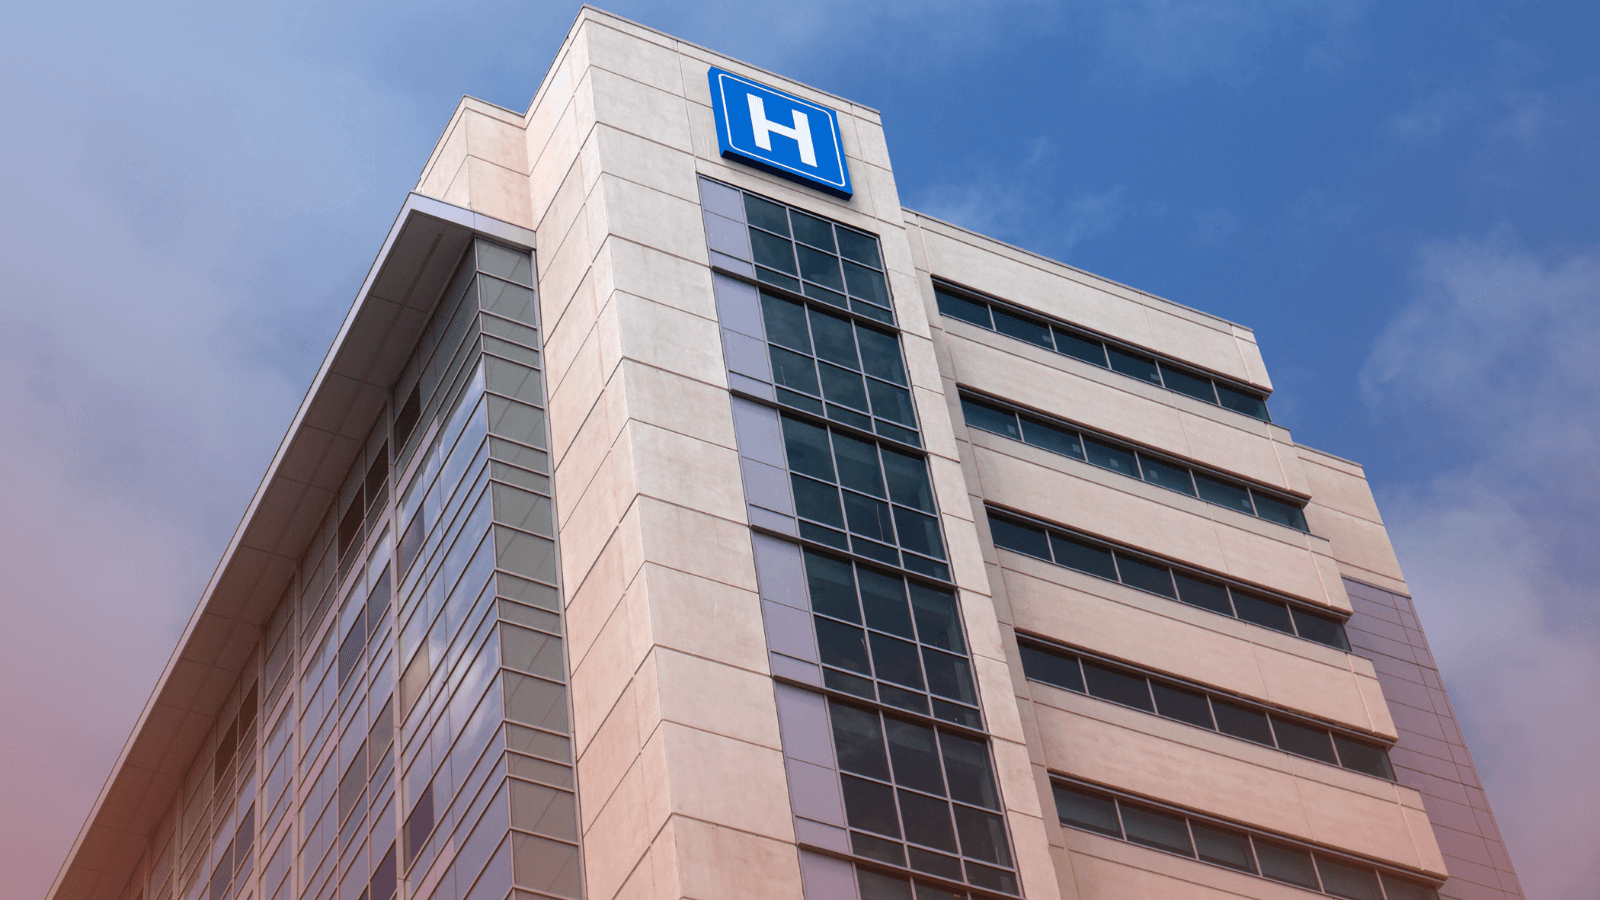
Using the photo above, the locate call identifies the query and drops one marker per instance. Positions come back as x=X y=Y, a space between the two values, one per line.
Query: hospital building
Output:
x=676 y=515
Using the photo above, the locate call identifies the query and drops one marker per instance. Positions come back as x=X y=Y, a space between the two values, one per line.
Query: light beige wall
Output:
x=1077 y=736
x=1059 y=290
x=481 y=163
x=1226 y=654
x=671 y=690
x=1131 y=512
x=670 y=685
x=1126 y=407
x=1342 y=508
x=1169 y=761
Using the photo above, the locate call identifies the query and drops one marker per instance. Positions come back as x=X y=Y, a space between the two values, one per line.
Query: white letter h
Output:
x=800 y=133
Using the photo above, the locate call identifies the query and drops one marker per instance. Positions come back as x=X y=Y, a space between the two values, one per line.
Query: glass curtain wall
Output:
x=405 y=720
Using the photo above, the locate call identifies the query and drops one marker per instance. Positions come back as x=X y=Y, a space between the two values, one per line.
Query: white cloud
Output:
x=1491 y=363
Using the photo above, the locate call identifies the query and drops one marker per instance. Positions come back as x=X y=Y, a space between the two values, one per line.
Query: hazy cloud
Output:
x=1494 y=355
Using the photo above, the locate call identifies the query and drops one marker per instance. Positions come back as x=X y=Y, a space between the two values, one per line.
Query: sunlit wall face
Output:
x=404 y=718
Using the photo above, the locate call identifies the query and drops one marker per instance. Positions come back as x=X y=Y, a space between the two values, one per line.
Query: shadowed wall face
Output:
x=414 y=672
x=1431 y=755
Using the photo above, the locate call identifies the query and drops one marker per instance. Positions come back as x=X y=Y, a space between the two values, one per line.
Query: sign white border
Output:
x=725 y=131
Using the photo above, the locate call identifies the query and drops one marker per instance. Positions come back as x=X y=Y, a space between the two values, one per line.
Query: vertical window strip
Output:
x=842 y=370
x=823 y=260
x=891 y=640
x=864 y=498
x=921 y=798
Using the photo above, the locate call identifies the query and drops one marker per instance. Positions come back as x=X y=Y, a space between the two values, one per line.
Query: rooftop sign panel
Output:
x=779 y=132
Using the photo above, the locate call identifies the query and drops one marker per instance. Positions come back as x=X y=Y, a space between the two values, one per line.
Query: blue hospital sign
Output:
x=779 y=132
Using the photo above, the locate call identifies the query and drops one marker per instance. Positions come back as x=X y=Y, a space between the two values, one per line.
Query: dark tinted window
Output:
x=1348 y=882
x=988 y=418
x=1056 y=440
x=859 y=741
x=1083 y=557
x=1223 y=493
x=869 y=805
x=833 y=590
x=1288 y=864
x=808 y=449
x=1322 y=630
x=1154 y=829
x=1117 y=686
x=1051 y=669
x=1089 y=811
x=963 y=309
x=915 y=755
x=1185 y=706
x=1114 y=458
x=1280 y=512
x=1397 y=889
x=843 y=646
x=863 y=248
x=1019 y=538
x=1363 y=758
x=1242 y=723
x=1271 y=613
x=1238 y=401
x=1142 y=367
x=938 y=623
x=1312 y=743
x=1018 y=327
x=1204 y=594
x=1170 y=477
x=1225 y=848
x=766 y=214
x=786 y=322
x=1145 y=576
x=966 y=768
x=1184 y=383
x=1090 y=351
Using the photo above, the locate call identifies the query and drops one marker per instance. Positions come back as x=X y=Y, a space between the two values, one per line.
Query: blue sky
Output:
x=1399 y=198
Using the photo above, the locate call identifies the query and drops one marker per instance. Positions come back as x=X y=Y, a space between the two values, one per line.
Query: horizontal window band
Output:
x=1080 y=552
x=1037 y=522
x=1228 y=696
x=1220 y=712
x=969 y=395
x=797 y=297
x=1101 y=350
x=1413 y=884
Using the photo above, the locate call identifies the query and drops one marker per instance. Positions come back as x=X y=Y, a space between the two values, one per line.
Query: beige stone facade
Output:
x=697 y=686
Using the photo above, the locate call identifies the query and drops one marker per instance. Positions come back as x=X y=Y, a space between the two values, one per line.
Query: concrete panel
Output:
x=718 y=699
x=1186 y=642
x=704 y=618
x=628 y=55
x=702 y=764
x=1196 y=769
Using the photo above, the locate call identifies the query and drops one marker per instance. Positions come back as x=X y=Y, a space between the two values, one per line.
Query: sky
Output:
x=1398 y=197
